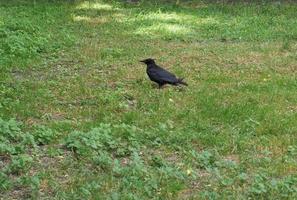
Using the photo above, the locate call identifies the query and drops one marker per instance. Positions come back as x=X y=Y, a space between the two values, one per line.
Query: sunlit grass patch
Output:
x=94 y=5
x=161 y=29
x=92 y=20
x=166 y=16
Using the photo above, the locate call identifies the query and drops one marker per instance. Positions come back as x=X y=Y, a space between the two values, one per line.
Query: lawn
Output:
x=79 y=119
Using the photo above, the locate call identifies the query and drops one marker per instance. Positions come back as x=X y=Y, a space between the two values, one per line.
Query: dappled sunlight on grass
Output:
x=96 y=13
x=201 y=23
x=94 y=5
x=159 y=16
x=207 y=20
x=171 y=24
x=94 y=20
x=164 y=29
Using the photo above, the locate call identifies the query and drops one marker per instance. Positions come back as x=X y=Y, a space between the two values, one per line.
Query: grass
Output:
x=80 y=120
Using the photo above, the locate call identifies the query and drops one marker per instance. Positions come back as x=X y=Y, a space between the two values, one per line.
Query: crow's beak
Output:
x=143 y=61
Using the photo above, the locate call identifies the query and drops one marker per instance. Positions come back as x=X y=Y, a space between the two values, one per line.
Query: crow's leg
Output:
x=160 y=86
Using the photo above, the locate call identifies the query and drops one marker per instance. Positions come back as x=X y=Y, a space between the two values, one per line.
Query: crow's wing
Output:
x=163 y=75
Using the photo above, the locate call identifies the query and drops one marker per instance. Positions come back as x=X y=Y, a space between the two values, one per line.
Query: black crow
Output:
x=160 y=75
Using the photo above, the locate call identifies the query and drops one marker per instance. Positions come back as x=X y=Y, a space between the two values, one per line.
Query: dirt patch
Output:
x=194 y=186
x=32 y=121
x=232 y=157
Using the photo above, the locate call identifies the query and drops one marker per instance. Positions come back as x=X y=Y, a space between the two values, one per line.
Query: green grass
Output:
x=79 y=118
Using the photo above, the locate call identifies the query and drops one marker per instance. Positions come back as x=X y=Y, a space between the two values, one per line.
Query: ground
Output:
x=79 y=118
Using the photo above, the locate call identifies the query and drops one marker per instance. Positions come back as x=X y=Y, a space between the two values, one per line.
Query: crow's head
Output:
x=148 y=61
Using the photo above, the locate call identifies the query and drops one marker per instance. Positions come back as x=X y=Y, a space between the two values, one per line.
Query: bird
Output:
x=161 y=76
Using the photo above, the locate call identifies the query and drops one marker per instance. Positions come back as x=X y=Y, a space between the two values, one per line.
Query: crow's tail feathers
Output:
x=180 y=81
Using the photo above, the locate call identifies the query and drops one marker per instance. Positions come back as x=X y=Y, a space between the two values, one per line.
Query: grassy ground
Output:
x=80 y=120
